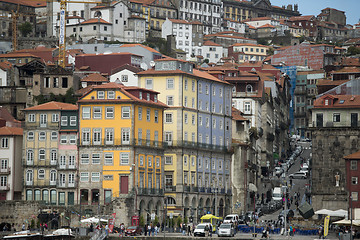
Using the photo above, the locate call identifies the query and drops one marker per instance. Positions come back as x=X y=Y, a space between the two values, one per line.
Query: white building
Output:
x=212 y=51
x=126 y=74
x=232 y=25
x=207 y=12
x=261 y=21
x=10 y=163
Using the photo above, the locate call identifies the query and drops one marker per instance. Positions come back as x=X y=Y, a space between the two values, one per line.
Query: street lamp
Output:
x=165 y=199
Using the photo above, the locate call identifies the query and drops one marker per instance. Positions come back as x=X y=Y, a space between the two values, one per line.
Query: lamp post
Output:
x=165 y=199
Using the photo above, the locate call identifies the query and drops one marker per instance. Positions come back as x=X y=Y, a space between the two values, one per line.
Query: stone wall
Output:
x=330 y=145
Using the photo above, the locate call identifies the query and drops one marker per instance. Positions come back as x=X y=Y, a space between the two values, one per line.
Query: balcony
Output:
x=244 y=94
x=150 y=191
x=194 y=189
x=5 y=187
x=65 y=185
x=119 y=142
x=222 y=191
x=300 y=91
x=186 y=188
x=229 y=192
x=170 y=188
x=5 y=171
x=29 y=183
x=196 y=145
x=208 y=190
x=201 y=189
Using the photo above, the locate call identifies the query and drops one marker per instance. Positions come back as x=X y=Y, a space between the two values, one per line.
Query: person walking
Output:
x=145 y=229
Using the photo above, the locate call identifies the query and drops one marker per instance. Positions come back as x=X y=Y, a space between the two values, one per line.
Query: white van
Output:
x=277 y=194
x=234 y=218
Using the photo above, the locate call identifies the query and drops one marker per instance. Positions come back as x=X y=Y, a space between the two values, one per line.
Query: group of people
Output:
x=187 y=229
x=151 y=229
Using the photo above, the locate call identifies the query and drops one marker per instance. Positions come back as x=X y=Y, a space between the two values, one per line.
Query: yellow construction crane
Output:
x=62 y=25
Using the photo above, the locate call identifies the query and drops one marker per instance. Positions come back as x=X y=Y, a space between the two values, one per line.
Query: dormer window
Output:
x=140 y=95
x=155 y=98
x=249 y=88
x=148 y=96
x=111 y=95
x=101 y=95
x=326 y=102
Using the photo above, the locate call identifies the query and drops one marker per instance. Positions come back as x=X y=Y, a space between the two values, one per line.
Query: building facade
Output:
x=121 y=149
x=197 y=130
x=50 y=153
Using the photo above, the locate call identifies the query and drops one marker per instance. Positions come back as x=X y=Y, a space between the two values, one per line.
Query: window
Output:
x=247 y=108
x=111 y=95
x=124 y=158
x=86 y=112
x=168 y=117
x=43 y=120
x=29 y=176
x=125 y=136
x=97 y=112
x=141 y=160
x=193 y=85
x=63 y=139
x=56 y=82
x=186 y=84
x=170 y=100
x=95 y=158
x=108 y=158
x=354 y=196
x=125 y=112
x=214 y=123
x=206 y=89
x=109 y=112
x=42 y=136
x=97 y=136
x=31 y=118
x=84 y=158
x=186 y=118
x=200 y=88
x=109 y=135
x=148 y=114
x=185 y=101
x=353 y=165
x=336 y=117
x=156 y=116
x=170 y=83
x=95 y=177
x=41 y=174
x=207 y=122
x=193 y=102
x=149 y=161
x=84 y=177
x=30 y=136
x=55 y=117
x=62 y=161
x=41 y=154
x=64 y=121
x=53 y=156
x=124 y=78
x=168 y=138
x=185 y=160
x=354 y=180
x=72 y=161
x=148 y=83
x=193 y=119
x=157 y=160
x=168 y=160
x=140 y=113
x=72 y=120
x=85 y=136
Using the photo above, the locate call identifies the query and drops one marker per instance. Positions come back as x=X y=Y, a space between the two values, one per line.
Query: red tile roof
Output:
x=237 y=115
x=179 y=21
x=248 y=44
x=53 y=106
x=5 y=65
x=95 y=20
x=349 y=101
x=17 y=55
x=11 y=131
x=257 y=19
x=354 y=156
x=328 y=82
x=120 y=53
x=211 y=43
x=266 y=26
x=94 y=77
x=347 y=70
x=32 y=3
x=301 y=18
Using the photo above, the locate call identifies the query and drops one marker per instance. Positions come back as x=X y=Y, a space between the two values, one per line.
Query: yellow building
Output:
x=244 y=52
x=121 y=151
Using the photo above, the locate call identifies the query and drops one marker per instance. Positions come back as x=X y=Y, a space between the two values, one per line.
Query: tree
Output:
x=353 y=50
x=25 y=28
x=178 y=221
x=141 y=221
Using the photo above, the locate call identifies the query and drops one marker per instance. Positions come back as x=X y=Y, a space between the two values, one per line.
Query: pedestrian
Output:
x=149 y=228
x=156 y=229
x=107 y=229
x=23 y=227
x=145 y=229
x=189 y=230
x=206 y=229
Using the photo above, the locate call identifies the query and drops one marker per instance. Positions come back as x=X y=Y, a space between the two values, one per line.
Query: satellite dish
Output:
x=144 y=66
x=152 y=63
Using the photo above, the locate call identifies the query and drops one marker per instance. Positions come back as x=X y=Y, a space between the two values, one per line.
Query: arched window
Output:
x=53 y=176
x=249 y=88
x=29 y=195
x=37 y=195
x=171 y=201
x=30 y=156
x=53 y=197
x=45 y=196
x=29 y=176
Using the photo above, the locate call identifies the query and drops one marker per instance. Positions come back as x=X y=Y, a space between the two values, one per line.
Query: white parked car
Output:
x=200 y=229
x=298 y=175
x=226 y=230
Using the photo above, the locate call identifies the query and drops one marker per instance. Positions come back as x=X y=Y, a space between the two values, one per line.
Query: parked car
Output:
x=278 y=171
x=298 y=175
x=226 y=230
x=232 y=218
x=200 y=229
x=133 y=231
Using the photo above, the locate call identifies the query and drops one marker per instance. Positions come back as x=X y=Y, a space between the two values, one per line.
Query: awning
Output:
x=209 y=216
x=93 y=220
x=331 y=213
x=348 y=222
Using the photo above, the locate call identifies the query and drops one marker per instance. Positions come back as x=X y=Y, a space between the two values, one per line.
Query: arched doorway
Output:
x=150 y=209
x=200 y=209
x=207 y=206
x=192 y=210
x=221 y=208
x=158 y=209
x=142 y=209
x=227 y=207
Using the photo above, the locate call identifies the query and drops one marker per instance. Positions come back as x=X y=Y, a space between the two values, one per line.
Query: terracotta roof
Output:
x=328 y=82
x=248 y=44
x=74 y=17
x=53 y=106
x=138 y=17
x=11 y=131
x=17 y=55
x=252 y=27
x=94 y=77
x=237 y=115
x=340 y=101
x=5 y=65
x=83 y=91
x=347 y=70
x=355 y=155
x=211 y=43
x=140 y=45
x=27 y=3
x=6 y=115
x=267 y=26
x=301 y=18
x=196 y=23
x=126 y=66
x=120 y=53
x=95 y=20
x=179 y=21
x=226 y=36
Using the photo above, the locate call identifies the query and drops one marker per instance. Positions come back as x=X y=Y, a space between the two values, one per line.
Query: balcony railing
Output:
x=5 y=170
x=201 y=189
x=150 y=191
x=5 y=187
x=120 y=142
x=170 y=188
x=208 y=190
x=65 y=185
x=186 y=188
